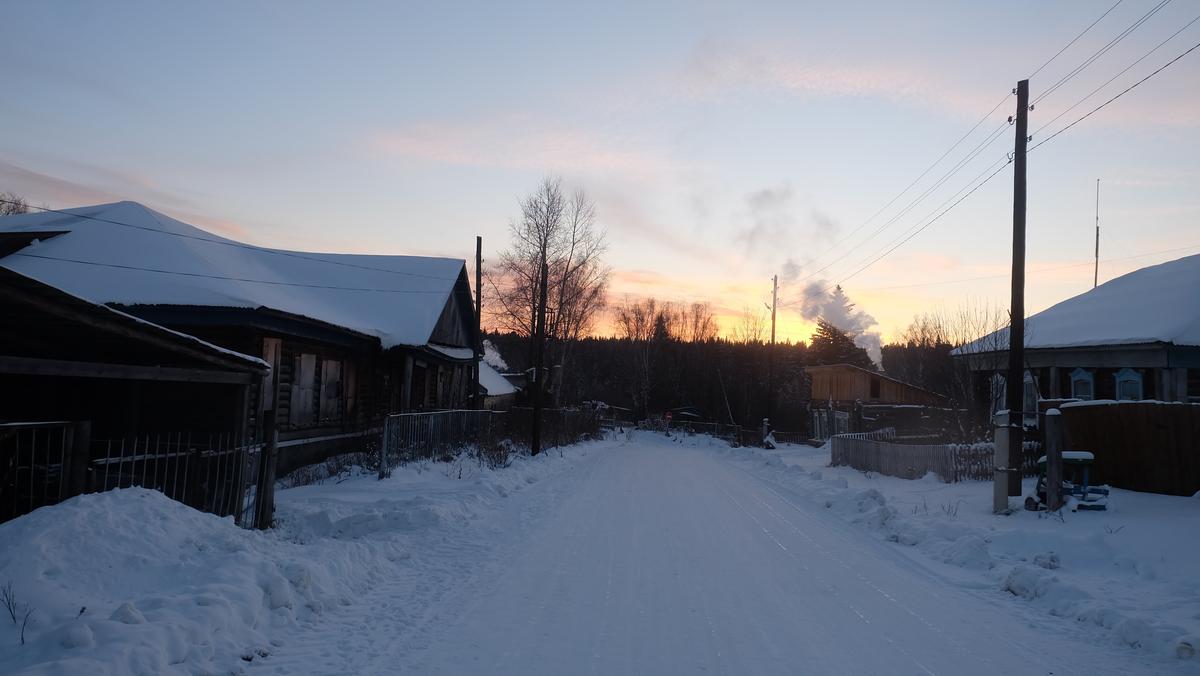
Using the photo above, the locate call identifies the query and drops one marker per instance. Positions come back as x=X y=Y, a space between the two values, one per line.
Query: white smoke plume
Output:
x=835 y=307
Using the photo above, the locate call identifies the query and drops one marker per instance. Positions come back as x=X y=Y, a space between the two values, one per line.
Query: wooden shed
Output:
x=846 y=384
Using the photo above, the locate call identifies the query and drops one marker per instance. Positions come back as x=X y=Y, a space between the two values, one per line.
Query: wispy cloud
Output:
x=521 y=144
x=41 y=188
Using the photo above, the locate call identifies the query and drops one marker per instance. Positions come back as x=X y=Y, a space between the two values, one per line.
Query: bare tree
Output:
x=561 y=232
x=12 y=204
x=638 y=322
x=751 y=327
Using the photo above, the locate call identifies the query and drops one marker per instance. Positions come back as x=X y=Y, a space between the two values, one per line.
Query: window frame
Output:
x=1083 y=375
x=1128 y=375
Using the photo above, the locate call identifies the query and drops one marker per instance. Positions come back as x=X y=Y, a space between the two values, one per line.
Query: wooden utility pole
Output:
x=535 y=435
x=1096 y=269
x=1009 y=444
x=476 y=397
x=771 y=349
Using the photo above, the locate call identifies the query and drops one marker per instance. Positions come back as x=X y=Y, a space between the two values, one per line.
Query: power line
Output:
x=1076 y=39
x=926 y=225
x=972 y=154
x=1123 y=93
x=1102 y=51
x=1032 y=272
x=231 y=243
x=221 y=277
x=1110 y=80
x=905 y=190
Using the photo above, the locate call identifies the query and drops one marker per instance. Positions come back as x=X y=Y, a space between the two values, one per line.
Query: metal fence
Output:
x=877 y=452
x=730 y=433
x=829 y=422
x=433 y=434
x=44 y=463
x=216 y=474
x=33 y=465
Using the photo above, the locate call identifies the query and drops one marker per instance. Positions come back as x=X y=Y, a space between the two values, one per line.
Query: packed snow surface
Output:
x=1156 y=304
x=640 y=554
x=124 y=253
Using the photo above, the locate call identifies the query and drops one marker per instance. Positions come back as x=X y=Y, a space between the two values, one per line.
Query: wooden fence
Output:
x=1141 y=446
x=876 y=452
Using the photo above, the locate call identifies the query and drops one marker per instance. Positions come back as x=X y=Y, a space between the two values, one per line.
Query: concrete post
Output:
x=1000 y=464
x=1054 y=444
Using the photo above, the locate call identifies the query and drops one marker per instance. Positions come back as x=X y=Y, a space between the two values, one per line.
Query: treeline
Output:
x=721 y=379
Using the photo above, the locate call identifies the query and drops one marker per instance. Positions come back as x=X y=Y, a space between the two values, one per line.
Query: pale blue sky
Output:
x=720 y=140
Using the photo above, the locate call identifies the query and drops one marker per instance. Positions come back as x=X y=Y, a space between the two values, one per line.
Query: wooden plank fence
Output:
x=878 y=452
x=1142 y=446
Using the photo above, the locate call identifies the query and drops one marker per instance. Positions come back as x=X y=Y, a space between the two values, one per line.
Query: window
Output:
x=1030 y=402
x=331 y=391
x=874 y=387
x=1081 y=385
x=271 y=347
x=304 y=382
x=1129 y=385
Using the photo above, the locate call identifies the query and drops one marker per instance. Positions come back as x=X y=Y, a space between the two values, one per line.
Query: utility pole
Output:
x=1096 y=270
x=1011 y=432
x=771 y=349
x=539 y=347
x=477 y=398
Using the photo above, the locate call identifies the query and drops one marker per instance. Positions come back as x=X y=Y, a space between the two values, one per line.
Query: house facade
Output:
x=1136 y=337
x=341 y=340
x=845 y=384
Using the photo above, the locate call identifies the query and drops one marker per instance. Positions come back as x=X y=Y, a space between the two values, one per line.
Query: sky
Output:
x=723 y=143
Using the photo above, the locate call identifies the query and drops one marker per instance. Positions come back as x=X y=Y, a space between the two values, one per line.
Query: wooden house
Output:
x=1135 y=337
x=845 y=384
x=65 y=358
x=347 y=338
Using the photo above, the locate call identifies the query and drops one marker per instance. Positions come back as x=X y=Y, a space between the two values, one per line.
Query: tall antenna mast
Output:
x=1096 y=269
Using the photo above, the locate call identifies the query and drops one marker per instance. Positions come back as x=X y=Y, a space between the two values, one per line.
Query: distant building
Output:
x=1132 y=338
x=845 y=384
x=498 y=392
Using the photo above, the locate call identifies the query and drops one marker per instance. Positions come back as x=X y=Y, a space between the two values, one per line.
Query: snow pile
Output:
x=131 y=582
x=1129 y=573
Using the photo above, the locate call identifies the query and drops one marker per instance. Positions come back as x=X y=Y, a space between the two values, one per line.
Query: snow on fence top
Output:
x=124 y=253
x=1156 y=304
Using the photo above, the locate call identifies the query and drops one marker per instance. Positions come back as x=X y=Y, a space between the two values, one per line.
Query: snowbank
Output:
x=131 y=582
x=1128 y=574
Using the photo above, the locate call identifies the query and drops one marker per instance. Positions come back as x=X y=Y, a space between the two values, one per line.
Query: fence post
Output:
x=1054 y=444
x=383 y=448
x=80 y=458
x=264 y=493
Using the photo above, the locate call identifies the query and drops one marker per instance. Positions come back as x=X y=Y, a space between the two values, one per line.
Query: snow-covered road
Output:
x=656 y=558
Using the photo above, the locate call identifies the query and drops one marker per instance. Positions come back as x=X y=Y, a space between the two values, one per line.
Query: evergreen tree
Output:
x=831 y=345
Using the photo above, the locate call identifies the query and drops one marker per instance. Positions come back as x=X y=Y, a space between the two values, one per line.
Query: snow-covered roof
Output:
x=127 y=254
x=493 y=382
x=1156 y=304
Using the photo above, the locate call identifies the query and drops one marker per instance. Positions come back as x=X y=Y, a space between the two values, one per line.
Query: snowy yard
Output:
x=633 y=555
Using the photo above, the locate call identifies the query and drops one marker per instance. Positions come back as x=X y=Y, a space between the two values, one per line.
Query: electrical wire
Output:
x=1076 y=39
x=1101 y=52
x=1123 y=93
x=1110 y=80
x=1033 y=272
